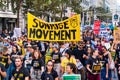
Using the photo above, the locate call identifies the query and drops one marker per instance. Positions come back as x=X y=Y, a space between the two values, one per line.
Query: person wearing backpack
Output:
x=49 y=73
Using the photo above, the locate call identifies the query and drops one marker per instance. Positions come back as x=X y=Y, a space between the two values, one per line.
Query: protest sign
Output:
x=117 y=36
x=72 y=77
x=96 y=68
x=104 y=33
x=107 y=45
x=17 y=32
x=67 y=30
x=97 y=24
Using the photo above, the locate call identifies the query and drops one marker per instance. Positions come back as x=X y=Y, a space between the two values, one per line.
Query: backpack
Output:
x=48 y=76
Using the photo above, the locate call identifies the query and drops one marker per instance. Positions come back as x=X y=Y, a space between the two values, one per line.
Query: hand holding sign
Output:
x=96 y=69
x=117 y=36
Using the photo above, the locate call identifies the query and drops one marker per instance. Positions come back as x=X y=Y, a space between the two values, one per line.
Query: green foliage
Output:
x=100 y=10
x=102 y=13
x=15 y=4
x=1 y=4
x=45 y=7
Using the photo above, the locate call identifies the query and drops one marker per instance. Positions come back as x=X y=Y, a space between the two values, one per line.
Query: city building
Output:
x=98 y=3
x=106 y=4
x=7 y=17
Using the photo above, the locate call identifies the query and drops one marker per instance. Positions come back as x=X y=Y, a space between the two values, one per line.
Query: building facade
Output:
x=99 y=3
x=7 y=17
x=115 y=9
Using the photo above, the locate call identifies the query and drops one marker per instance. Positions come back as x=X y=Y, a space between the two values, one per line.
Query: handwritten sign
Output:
x=116 y=35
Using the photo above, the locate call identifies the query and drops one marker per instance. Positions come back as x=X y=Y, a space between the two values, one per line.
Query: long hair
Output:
x=90 y=49
x=69 y=52
x=16 y=48
x=39 y=54
x=73 y=67
x=104 y=48
x=52 y=67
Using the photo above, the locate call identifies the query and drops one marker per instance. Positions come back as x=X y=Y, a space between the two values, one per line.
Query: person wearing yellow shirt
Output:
x=68 y=59
x=19 y=42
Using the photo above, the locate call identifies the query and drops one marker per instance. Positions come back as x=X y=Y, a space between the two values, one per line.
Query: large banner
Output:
x=97 y=24
x=72 y=77
x=67 y=30
x=116 y=35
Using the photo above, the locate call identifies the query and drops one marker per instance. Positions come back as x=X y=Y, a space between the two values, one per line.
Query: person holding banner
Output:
x=71 y=69
x=93 y=66
x=71 y=72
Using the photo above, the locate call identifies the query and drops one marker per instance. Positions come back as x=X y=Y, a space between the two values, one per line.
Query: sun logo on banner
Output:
x=74 y=22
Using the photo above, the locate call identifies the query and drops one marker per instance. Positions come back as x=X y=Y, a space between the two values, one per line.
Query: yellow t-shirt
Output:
x=20 y=43
x=48 y=55
x=65 y=61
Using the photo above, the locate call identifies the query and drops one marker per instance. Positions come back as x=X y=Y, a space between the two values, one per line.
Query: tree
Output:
x=16 y=6
x=1 y=4
x=62 y=5
x=103 y=14
x=43 y=8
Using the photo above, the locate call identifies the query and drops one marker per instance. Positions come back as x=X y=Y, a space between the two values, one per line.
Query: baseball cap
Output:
x=55 y=46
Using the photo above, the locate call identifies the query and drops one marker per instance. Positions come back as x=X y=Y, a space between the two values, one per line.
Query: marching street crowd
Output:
x=94 y=58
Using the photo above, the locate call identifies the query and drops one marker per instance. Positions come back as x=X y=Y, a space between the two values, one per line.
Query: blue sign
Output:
x=116 y=17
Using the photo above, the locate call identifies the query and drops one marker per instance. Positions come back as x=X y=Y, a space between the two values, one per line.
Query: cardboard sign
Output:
x=117 y=36
x=67 y=30
x=96 y=68
x=72 y=77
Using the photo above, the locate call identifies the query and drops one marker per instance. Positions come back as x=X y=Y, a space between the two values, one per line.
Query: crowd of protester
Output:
x=24 y=59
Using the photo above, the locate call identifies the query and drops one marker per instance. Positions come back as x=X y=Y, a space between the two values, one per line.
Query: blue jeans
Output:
x=11 y=68
x=8 y=73
x=103 y=74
